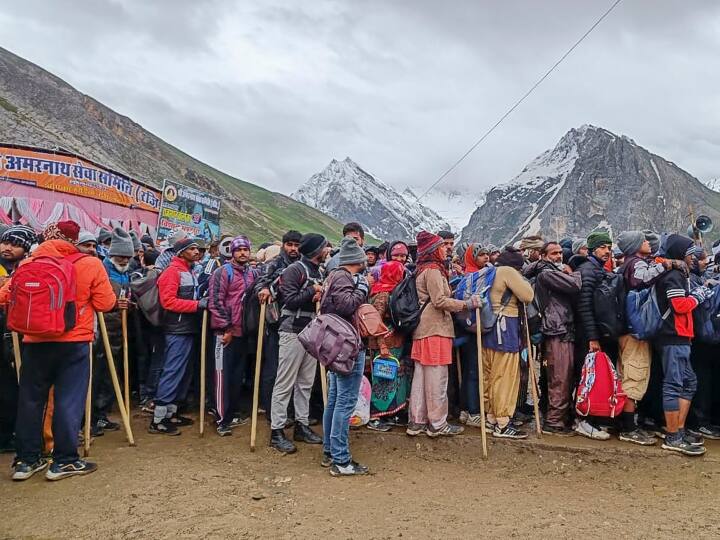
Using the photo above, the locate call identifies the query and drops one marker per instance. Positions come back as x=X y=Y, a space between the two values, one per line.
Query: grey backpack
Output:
x=333 y=341
x=146 y=295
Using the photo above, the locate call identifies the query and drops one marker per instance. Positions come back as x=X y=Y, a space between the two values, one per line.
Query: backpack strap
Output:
x=75 y=257
x=230 y=271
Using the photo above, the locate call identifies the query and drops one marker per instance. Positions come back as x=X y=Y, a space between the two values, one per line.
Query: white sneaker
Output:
x=463 y=417
x=474 y=420
x=586 y=429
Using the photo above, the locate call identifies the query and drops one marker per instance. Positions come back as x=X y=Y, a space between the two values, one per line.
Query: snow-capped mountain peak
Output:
x=349 y=193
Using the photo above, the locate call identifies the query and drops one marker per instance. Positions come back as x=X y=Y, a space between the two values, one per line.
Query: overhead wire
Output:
x=519 y=101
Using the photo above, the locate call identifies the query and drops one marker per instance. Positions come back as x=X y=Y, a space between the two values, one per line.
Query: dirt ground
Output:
x=189 y=487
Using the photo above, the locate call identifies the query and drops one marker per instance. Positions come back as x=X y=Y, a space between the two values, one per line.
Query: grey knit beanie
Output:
x=137 y=246
x=85 y=236
x=654 y=239
x=121 y=244
x=577 y=245
x=350 y=252
x=630 y=242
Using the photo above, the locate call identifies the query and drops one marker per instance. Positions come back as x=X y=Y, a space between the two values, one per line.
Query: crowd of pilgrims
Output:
x=434 y=388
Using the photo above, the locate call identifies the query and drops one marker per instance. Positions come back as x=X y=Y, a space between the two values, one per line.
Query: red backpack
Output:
x=42 y=296
x=600 y=391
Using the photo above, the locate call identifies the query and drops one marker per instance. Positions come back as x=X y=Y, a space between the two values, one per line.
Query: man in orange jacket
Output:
x=60 y=362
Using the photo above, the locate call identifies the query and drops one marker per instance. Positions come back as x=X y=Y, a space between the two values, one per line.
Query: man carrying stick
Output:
x=60 y=361
x=229 y=285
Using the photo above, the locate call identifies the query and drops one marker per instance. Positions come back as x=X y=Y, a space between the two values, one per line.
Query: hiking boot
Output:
x=351 y=469
x=680 y=445
x=448 y=430
x=180 y=421
x=96 y=430
x=23 y=471
x=165 y=427
x=508 y=432
x=107 y=425
x=463 y=417
x=76 y=468
x=224 y=431
x=586 y=429
x=474 y=420
x=637 y=436
x=708 y=432
x=376 y=424
x=326 y=461
x=692 y=438
x=561 y=431
x=281 y=443
x=303 y=433
x=238 y=421
x=414 y=429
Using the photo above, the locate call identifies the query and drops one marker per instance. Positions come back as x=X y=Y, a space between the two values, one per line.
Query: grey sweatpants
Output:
x=296 y=371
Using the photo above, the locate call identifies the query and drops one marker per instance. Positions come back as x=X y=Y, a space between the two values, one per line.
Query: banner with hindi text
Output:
x=186 y=208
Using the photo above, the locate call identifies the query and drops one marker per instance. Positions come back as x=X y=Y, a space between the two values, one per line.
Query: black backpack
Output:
x=405 y=308
x=609 y=305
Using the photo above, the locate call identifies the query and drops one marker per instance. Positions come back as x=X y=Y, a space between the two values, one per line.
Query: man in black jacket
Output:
x=267 y=292
x=299 y=289
x=589 y=338
x=556 y=290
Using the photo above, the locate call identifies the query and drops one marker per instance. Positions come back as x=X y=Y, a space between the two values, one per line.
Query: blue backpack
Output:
x=642 y=313
x=706 y=320
x=479 y=283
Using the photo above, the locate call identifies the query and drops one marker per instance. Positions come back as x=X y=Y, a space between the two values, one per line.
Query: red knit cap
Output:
x=62 y=230
x=427 y=243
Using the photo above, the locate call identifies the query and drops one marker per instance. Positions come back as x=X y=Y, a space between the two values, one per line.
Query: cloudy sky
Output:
x=270 y=91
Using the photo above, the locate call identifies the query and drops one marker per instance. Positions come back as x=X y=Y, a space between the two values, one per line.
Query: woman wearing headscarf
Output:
x=389 y=396
x=502 y=344
x=432 y=340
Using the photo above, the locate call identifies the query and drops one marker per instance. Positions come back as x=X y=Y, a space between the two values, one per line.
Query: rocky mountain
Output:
x=452 y=204
x=592 y=178
x=348 y=193
x=713 y=183
x=39 y=109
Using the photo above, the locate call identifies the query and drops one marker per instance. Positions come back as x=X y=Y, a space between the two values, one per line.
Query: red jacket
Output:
x=94 y=292
x=177 y=288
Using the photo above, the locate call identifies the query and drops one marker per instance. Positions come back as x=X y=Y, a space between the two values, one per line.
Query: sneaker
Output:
x=378 y=425
x=637 y=437
x=474 y=420
x=163 y=428
x=223 y=431
x=180 y=421
x=448 y=430
x=96 y=430
x=107 y=425
x=708 y=432
x=23 y=471
x=326 y=461
x=212 y=411
x=559 y=431
x=281 y=443
x=693 y=438
x=508 y=432
x=463 y=417
x=682 y=446
x=586 y=429
x=415 y=429
x=238 y=421
x=351 y=469
x=77 y=468
x=490 y=426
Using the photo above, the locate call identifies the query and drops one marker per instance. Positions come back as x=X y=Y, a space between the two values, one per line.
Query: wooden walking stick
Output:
x=323 y=373
x=16 y=353
x=531 y=363
x=458 y=366
x=126 y=361
x=481 y=383
x=203 y=343
x=256 y=384
x=88 y=408
x=114 y=378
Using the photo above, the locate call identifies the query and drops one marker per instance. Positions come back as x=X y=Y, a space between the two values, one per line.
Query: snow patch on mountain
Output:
x=453 y=204
x=713 y=183
x=346 y=192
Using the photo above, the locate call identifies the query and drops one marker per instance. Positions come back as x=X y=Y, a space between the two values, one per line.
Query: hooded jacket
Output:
x=177 y=288
x=672 y=292
x=556 y=293
x=226 y=296
x=295 y=291
x=342 y=297
x=591 y=271
x=93 y=291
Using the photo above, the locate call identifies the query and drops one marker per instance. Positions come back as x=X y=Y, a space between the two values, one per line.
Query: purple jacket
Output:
x=226 y=294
